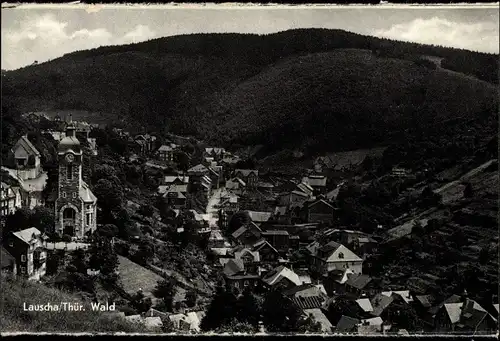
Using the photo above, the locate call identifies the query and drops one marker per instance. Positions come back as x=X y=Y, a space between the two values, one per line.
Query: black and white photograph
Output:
x=208 y=169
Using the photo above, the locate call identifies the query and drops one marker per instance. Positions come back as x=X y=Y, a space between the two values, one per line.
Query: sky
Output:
x=41 y=33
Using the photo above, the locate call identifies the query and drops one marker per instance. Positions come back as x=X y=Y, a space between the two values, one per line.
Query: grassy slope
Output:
x=14 y=319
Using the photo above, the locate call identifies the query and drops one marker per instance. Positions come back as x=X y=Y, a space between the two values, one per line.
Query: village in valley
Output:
x=187 y=237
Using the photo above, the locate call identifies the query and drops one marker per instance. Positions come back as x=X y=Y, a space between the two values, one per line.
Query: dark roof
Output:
x=297 y=289
x=424 y=300
x=347 y=324
x=472 y=315
x=452 y=299
x=309 y=302
x=380 y=303
x=358 y=281
x=233 y=267
x=6 y=258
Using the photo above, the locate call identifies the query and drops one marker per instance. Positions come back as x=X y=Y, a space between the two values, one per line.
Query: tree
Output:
x=484 y=256
x=78 y=261
x=279 y=313
x=166 y=291
x=238 y=219
x=146 y=210
x=248 y=308
x=220 y=311
x=468 y=191
x=236 y=326
x=107 y=231
x=53 y=262
x=191 y=298
x=42 y=218
x=67 y=239
x=109 y=195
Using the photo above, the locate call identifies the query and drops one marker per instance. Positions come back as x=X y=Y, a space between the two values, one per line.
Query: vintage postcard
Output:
x=222 y=169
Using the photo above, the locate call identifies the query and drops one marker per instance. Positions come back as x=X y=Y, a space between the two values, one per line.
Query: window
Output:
x=341 y=255
x=23 y=269
x=64 y=194
x=23 y=258
x=236 y=285
x=87 y=219
x=245 y=283
x=69 y=172
x=21 y=162
x=11 y=244
x=74 y=194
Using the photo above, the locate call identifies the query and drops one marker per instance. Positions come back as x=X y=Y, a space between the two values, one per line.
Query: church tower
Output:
x=75 y=207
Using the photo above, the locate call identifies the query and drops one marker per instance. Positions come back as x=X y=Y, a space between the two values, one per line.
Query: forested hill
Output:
x=298 y=88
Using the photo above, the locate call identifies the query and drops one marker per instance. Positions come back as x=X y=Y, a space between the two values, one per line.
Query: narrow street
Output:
x=212 y=205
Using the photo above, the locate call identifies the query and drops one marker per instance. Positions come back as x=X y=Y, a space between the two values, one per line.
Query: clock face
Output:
x=70 y=157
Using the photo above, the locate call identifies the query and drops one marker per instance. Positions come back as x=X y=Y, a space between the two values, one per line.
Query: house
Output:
x=238 y=277
x=306 y=296
x=10 y=199
x=230 y=203
x=403 y=294
x=26 y=246
x=267 y=253
x=357 y=284
x=306 y=189
x=216 y=240
x=166 y=153
x=259 y=217
x=8 y=262
x=335 y=256
x=247 y=234
x=466 y=316
x=347 y=324
x=145 y=142
x=26 y=159
x=279 y=239
x=281 y=278
x=189 y=322
x=317 y=314
x=294 y=198
x=176 y=196
x=317 y=182
x=249 y=176
x=400 y=172
x=199 y=179
x=216 y=153
x=320 y=211
x=175 y=180
x=236 y=185
x=250 y=258
x=215 y=174
x=380 y=303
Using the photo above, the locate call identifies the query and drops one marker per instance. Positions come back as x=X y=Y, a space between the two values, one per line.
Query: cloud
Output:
x=43 y=38
x=481 y=37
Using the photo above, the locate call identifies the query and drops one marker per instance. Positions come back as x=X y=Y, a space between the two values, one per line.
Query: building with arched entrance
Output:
x=76 y=205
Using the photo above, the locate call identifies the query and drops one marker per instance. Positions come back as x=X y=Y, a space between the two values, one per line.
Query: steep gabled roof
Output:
x=6 y=258
x=280 y=273
x=321 y=201
x=26 y=145
x=379 y=303
x=165 y=148
x=358 y=281
x=233 y=267
x=86 y=194
x=198 y=169
x=347 y=324
x=259 y=217
x=315 y=180
x=246 y=172
x=27 y=234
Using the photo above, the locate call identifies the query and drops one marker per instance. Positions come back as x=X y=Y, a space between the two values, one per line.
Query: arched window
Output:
x=69 y=172
x=341 y=255
x=69 y=213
